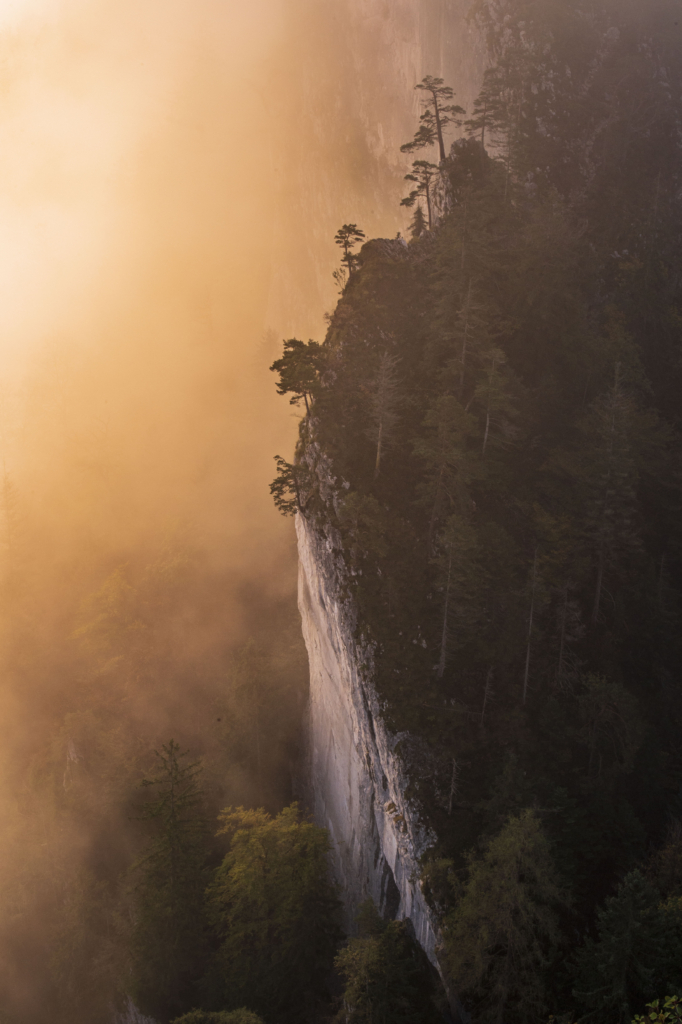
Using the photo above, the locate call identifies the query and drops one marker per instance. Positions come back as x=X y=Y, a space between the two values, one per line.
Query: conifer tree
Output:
x=489 y=120
x=569 y=630
x=386 y=973
x=611 y=726
x=438 y=115
x=637 y=953
x=612 y=523
x=275 y=911
x=423 y=174
x=347 y=237
x=494 y=398
x=298 y=371
x=383 y=405
x=292 y=489
x=418 y=224
x=442 y=447
x=169 y=940
x=469 y=329
x=501 y=934
x=458 y=578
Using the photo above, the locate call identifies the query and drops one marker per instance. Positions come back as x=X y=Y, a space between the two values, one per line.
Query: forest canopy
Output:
x=493 y=446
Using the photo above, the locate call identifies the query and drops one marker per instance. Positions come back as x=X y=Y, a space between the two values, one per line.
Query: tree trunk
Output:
x=453 y=785
x=659 y=594
x=487 y=412
x=600 y=580
x=486 y=693
x=439 y=129
x=530 y=627
x=464 y=235
x=436 y=503
x=377 y=464
x=487 y=428
x=465 y=339
x=444 y=638
x=560 y=667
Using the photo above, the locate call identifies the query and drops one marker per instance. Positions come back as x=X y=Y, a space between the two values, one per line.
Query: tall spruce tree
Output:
x=636 y=956
x=502 y=933
x=384 y=399
x=170 y=938
x=423 y=175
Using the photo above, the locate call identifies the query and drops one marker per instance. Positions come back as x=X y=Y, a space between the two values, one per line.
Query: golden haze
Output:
x=171 y=177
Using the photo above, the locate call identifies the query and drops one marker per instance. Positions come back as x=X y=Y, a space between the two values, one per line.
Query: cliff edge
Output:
x=358 y=782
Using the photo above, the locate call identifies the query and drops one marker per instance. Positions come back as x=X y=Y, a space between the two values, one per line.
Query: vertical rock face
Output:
x=358 y=782
x=353 y=114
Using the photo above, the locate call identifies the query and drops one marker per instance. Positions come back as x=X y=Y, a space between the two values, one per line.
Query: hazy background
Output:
x=171 y=178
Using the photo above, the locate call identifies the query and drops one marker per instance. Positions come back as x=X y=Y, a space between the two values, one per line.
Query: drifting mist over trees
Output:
x=490 y=433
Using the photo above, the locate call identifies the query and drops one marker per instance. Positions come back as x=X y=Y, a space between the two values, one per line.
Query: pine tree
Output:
x=611 y=728
x=347 y=237
x=494 y=399
x=459 y=580
x=612 y=524
x=386 y=973
x=438 y=115
x=298 y=371
x=489 y=121
x=637 y=954
x=384 y=398
x=501 y=934
x=423 y=175
x=169 y=941
x=293 y=489
x=418 y=225
x=442 y=447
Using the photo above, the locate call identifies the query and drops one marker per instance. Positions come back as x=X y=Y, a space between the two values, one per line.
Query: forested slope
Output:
x=493 y=428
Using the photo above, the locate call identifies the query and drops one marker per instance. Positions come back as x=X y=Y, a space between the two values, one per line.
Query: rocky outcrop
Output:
x=358 y=780
x=131 y=1015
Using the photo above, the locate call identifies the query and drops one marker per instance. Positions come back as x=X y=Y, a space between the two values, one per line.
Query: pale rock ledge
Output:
x=357 y=779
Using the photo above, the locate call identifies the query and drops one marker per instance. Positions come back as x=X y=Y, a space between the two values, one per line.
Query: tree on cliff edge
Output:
x=439 y=114
x=347 y=237
x=298 y=371
x=423 y=174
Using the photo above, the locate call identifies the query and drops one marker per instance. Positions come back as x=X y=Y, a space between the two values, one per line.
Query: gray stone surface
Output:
x=358 y=780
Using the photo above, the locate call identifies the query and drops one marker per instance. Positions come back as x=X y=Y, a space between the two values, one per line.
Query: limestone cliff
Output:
x=358 y=781
x=380 y=51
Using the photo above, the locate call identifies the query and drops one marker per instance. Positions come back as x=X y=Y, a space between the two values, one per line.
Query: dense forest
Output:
x=492 y=441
